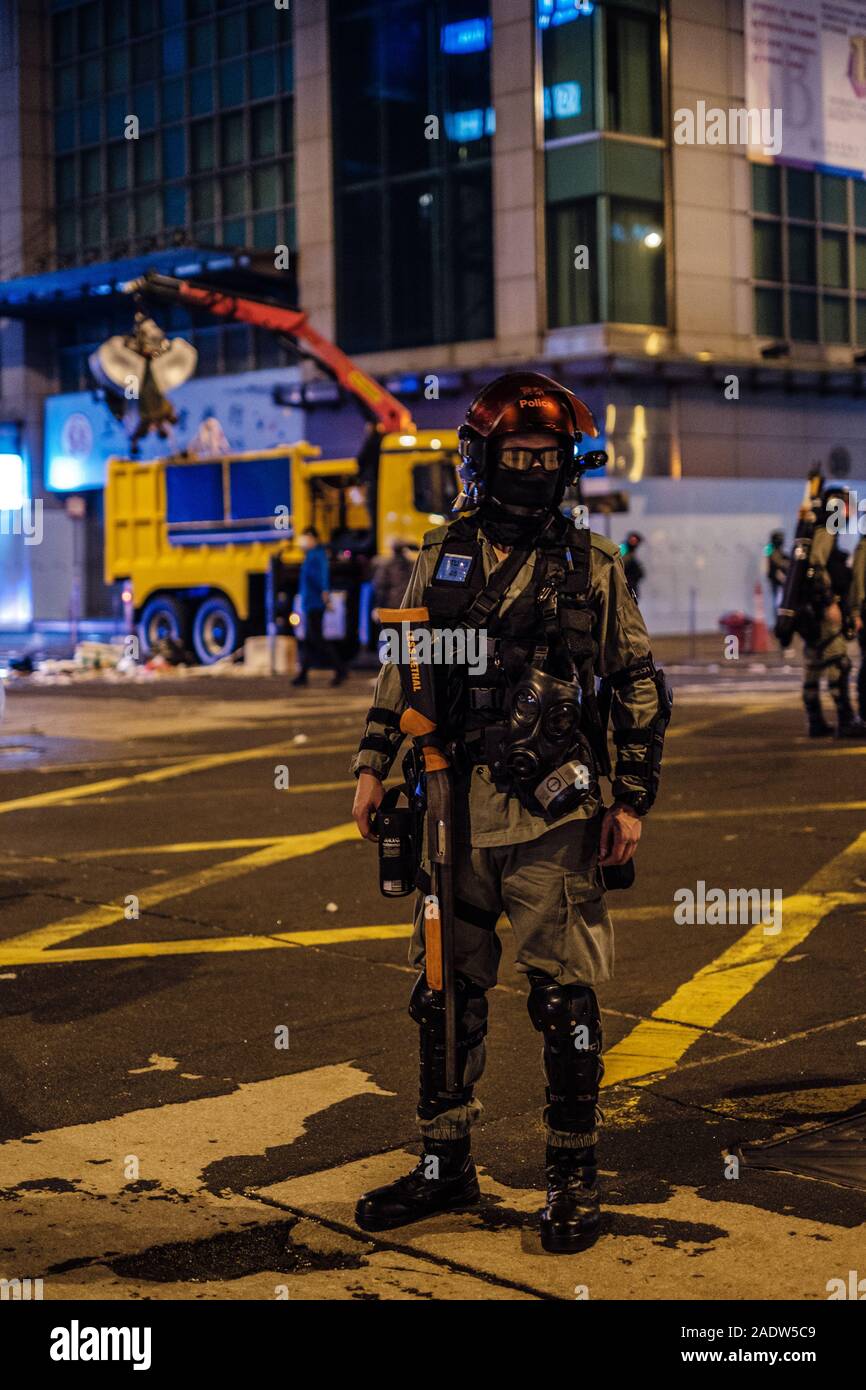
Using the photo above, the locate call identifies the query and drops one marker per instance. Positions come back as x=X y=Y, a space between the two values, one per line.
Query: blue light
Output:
x=562 y=100
x=12 y=483
x=552 y=13
x=66 y=474
x=466 y=36
x=464 y=126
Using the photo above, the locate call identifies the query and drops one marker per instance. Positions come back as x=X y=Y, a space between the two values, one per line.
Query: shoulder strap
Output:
x=485 y=604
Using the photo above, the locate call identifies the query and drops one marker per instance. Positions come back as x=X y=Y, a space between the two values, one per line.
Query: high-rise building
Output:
x=460 y=185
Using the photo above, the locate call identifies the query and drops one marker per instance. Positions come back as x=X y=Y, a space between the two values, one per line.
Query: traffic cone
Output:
x=760 y=636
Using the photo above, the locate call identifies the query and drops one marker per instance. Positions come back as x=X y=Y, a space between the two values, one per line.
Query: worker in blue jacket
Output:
x=313 y=588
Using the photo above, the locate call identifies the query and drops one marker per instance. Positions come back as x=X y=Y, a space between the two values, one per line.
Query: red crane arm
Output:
x=391 y=416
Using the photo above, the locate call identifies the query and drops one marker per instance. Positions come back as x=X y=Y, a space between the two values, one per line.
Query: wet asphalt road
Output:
x=206 y=1053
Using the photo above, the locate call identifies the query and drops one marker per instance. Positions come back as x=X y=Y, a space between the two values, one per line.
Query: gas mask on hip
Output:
x=543 y=755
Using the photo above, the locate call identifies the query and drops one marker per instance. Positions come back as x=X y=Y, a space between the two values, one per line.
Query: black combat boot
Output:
x=444 y=1179
x=816 y=726
x=572 y=1217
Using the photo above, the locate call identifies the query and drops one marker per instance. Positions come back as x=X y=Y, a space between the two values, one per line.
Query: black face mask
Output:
x=518 y=504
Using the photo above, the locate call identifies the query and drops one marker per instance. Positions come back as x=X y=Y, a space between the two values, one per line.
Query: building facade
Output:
x=458 y=186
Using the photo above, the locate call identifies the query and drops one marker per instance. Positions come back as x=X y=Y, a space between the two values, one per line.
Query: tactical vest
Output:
x=551 y=624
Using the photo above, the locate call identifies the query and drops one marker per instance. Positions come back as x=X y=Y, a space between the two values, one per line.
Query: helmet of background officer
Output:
x=518 y=452
x=834 y=508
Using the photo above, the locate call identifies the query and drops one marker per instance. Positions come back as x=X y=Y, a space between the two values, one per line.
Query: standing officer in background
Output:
x=553 y=605
x=825 y=622
x=857 y=606
x=634 y=570
x=777 y=566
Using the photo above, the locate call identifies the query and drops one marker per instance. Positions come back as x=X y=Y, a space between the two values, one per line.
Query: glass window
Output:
x=144 y=16
x=117 y=69
x=637 y=263
x=145 y=61
x=572 y=293
x=288 y=126
x=835 y=319
x=64 y=131
x=861 y=321
x=174 y=51
x=800 y=186
x=117 y=22
x=633 y=72
x=263 y=77
x=263 y=26
x=264 y=131
x=89 y=26
x=65 y=85
x=91 y=225
x=234 y=194
x=146 y=213
x=173 y=11
x=834 y=259
x=174 y=207
x=90 y=77
x=231 y=84
x=145 y=159
x=569 y=80
x=201 y=93
x=91 y=174
x=118 y=177
x=67 y=238
x=232 y=35
x=202 y=200
x=768 y=313
x=202 y=44
x=118 y=219
x=860 y=262
x=233 y=139
x=360 y=272
x=834 y=200
x=469 y=234
x=264 y=236
x=88 y=129
x=202 y=145
x=173 y=152
x=235 y=234
x=860 y=202
x=144 y=105
x=65 y=38
x=266 y=187
x=766 y=188
x=287 y=71
x=172 y=100
x=803 y=311
x=767 y=250
x=801 y=256
x=64 y=179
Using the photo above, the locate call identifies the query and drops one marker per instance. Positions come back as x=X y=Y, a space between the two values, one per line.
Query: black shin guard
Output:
x=427 y=1008
x=569 y=1019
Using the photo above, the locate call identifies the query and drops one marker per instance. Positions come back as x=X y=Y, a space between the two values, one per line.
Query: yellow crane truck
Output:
x=205 y=548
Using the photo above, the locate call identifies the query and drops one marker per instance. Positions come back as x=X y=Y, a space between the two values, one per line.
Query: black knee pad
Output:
x=569 y=1019
x=427 y=1008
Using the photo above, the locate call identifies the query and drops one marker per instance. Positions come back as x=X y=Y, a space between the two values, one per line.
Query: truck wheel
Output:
x=215 y=630
x=162 y=616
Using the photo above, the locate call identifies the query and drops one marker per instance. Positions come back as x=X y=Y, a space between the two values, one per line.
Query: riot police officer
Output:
x=857 y=605
x=557 y=613
x=825 y=622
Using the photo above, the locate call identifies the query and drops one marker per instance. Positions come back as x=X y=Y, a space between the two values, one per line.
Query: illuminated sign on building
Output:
x=554 y=12
x=463 y=126
x=466 y=36
x=562 y=100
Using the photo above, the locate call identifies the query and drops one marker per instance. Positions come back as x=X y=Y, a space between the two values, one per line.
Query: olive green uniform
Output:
x=544 y=877
x=857 y=605
x=828 y=653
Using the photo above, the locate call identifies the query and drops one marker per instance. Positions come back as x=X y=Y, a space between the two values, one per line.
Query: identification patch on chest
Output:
x=453 y=567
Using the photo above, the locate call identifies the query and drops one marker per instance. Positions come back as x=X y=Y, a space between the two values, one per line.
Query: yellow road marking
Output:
x=206 y=946
x=164 y=774
x=658 y=1043
x=289 y=847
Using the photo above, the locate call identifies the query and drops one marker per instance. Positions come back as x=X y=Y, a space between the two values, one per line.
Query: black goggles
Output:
x=550 y=457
